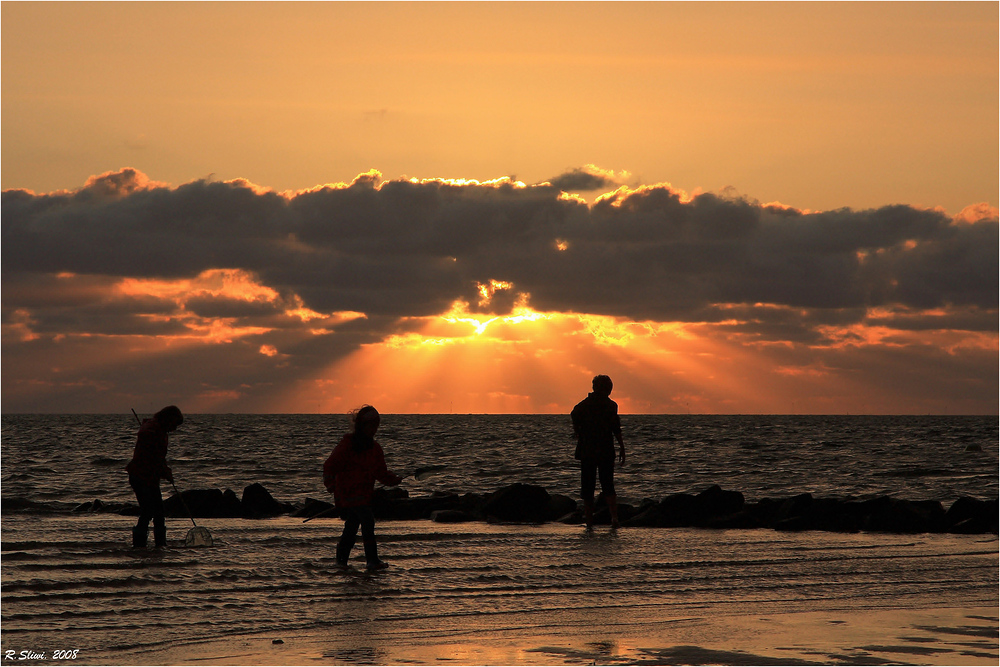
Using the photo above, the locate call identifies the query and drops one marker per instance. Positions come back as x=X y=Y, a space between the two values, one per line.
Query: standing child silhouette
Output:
x=597 y=426
x=350 y=473
x=147 y=467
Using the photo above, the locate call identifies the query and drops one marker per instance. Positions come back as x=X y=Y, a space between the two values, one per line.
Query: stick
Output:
x=323 y=513
x=419 y=474
x=184 y=504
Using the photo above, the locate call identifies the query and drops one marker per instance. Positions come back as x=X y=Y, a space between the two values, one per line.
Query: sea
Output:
x=71 y=581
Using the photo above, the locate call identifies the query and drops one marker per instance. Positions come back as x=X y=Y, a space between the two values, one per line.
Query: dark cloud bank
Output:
x=399 y=248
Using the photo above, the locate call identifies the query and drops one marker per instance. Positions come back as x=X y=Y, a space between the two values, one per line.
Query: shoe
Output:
x=377 y=565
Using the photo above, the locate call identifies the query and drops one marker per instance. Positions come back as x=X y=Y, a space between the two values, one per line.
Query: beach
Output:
x=946 y=636
x=270 y=592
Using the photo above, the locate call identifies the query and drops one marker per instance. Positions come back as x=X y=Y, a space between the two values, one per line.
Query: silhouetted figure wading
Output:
x=350 y=473
x=597 y=426
x=147 y=467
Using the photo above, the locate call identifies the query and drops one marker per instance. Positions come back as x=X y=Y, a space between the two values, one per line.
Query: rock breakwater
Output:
x=711 y=508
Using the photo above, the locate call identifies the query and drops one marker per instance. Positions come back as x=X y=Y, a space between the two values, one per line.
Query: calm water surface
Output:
x=71 y=580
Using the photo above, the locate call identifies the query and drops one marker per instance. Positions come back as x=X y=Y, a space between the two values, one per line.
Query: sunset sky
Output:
x=476 y=207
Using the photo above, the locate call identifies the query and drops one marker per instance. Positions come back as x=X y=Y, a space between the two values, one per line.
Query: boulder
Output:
x=904 y=516
x=626 y=511
x=451 y=516
x=803 y=512
x=714 y=503
x=573 y=518
x=198 y=503
x=791 y=511
x=93 y=506
x=676 y=511
x=258 y=502
x=231 y=505
x=653 y=516
x=518 y=503
x=396 y=506
x=972 y=516
x=128 y=509
x=560 y=506
x=313 y=507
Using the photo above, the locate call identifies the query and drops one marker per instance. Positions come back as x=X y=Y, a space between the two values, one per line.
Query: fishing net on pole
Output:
x=198 y=537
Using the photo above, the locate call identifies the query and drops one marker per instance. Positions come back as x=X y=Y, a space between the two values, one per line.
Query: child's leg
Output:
x=367 y=519
x=146 y=498
x=607 y=475
x=588 y=482
x=349 y=536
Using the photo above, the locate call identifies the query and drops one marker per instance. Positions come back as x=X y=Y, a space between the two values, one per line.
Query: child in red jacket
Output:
x=350 y=473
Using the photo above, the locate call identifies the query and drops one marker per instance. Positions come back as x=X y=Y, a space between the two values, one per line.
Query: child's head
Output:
x=603 y=385
x=366 y=420
x=169 y=417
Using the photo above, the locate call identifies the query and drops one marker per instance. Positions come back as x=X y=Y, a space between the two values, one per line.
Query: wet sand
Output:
x=619 y=636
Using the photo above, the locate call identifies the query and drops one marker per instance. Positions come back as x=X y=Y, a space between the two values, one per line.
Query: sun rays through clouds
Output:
x=441 y=295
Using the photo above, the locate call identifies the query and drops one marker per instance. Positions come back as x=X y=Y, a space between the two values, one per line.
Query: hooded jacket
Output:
x=149 y=458
x=350 y=473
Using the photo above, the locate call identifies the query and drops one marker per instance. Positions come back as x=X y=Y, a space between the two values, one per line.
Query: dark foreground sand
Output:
x=946 y=636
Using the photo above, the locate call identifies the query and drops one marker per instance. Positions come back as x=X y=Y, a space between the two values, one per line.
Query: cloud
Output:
x=310 y=274
x=588 y=179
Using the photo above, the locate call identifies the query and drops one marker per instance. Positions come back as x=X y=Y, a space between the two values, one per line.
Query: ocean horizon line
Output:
x=541 y=414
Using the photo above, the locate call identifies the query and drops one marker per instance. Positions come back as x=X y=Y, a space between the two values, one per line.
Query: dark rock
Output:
x=652 y=516
x=472 y=503
x=972 y=516
x=518 y=503
x=713 y=503
x=803 y=512
x=387 y=494
x=742 y=520
x=560 y=506
x=258 y=502
x=791 y=511
x=626 y=511
x=312 y=508
x=195 y=503
x=451 y=516
x=230 y=505
x=905 y=516
x=128 y=509
x=414 y=508
x=573 y=518
x=677 y=510
x=93 y=506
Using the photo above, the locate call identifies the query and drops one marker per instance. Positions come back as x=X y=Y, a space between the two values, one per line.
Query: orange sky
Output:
x=817 y=105
x=475 y=207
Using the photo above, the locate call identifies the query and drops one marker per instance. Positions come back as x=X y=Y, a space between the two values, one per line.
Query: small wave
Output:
x=916 y=472
x=19 y=555
x=19 y=504
x=105 y=461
